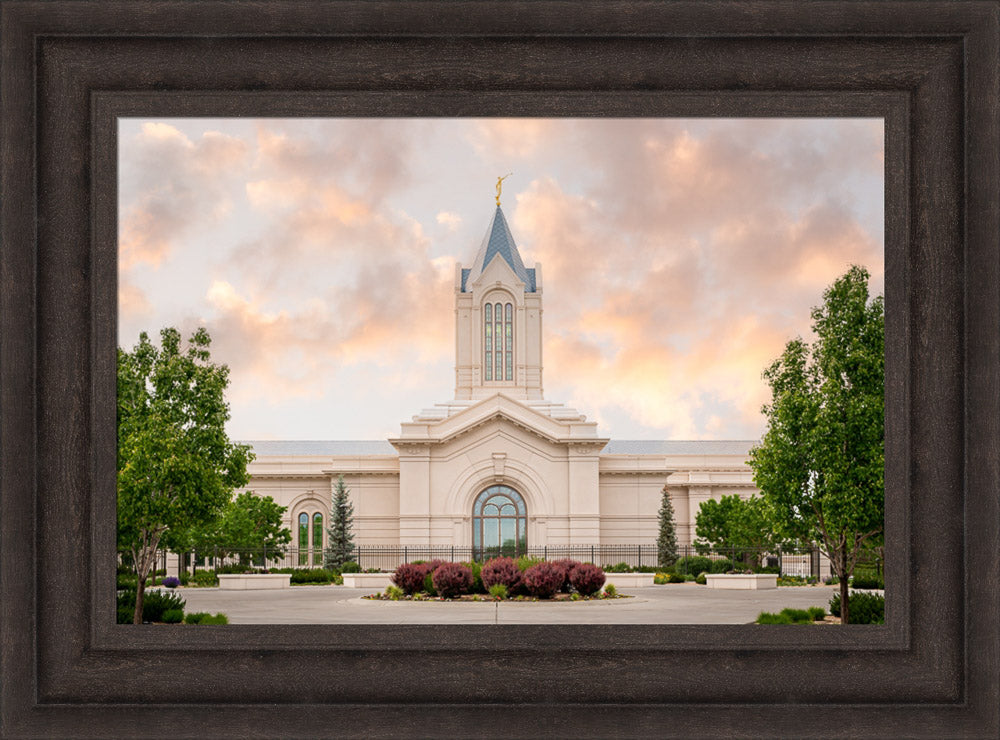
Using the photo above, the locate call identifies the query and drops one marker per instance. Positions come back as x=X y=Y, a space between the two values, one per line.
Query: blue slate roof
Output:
x=499 y=240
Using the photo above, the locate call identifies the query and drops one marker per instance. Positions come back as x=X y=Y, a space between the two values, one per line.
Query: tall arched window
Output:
x=488 y=340
x=499 y=523
x=317 y=539
x=498 y=341
x=303 y=539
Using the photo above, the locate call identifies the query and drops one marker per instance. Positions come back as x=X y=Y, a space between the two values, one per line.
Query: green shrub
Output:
x=526 y=561
x=234 y=568
x=701 y=580
x=798 y=616
x=610 y=591
x=350 y=567
x=769 y=618
x=817 y=613
x=866 y=608
x=693 y=564
x=660 y=578
x=204 y=578
x=154 y=604
x=395 y=593
x=618 y=568
x=498 y=591
x=477 y=577
x=429 y=585
x=127 y=581
x=173 y=616
x=309 y=575
x=206 y=618
x=721 y=565
x=675 y=578
x=866 y=581
x=185 y=577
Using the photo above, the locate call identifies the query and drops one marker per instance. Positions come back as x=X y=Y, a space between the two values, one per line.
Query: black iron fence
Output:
x=802 y=562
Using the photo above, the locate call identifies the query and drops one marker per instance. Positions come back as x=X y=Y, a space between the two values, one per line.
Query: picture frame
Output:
x=70 y=69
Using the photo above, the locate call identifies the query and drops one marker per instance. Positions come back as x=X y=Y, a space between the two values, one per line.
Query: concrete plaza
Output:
x=667 y=604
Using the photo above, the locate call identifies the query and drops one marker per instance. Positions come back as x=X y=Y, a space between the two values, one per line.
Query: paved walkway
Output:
x=667 y=604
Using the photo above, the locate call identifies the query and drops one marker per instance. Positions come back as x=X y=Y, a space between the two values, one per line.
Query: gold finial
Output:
x=500 y=185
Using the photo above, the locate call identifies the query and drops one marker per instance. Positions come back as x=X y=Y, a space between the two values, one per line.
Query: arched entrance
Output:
x=499 y=523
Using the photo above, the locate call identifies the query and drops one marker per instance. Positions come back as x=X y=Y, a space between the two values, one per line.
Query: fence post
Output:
x=780 y=563
x=405 y=558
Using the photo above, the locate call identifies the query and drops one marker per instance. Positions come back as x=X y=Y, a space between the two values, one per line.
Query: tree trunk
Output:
x=845 y=605
x=139 y=593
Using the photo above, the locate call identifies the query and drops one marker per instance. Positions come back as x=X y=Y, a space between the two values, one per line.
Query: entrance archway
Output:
x=499 y=523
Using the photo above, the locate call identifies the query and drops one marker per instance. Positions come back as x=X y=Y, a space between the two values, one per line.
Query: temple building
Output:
x=498 y=463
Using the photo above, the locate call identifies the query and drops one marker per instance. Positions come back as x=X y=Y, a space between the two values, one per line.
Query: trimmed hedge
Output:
x=502 y=570
x=544 y=580
x=409 y=577
x=870 y=582
x=693 y=564
x=452 y=579
x=587 y=579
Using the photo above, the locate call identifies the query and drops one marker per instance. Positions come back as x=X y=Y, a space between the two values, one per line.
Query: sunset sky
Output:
x=678 y=257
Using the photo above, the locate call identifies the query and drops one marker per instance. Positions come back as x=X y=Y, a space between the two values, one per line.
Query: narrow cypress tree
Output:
x=341 y=540
x=666 y=543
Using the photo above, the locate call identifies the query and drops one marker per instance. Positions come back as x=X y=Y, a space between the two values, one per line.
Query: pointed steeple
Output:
x=499 y=240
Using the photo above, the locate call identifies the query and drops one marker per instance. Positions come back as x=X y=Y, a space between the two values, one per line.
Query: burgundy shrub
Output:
x=544 y=579
x=587 y=579
x=452 y=579
x=501 y=570
x=568 y=565
x=409 y=577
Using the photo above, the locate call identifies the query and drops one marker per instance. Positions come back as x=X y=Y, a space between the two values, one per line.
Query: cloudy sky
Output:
x=678 y=257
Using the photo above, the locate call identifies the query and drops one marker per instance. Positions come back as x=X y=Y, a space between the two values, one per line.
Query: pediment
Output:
x=497 y=271
x=509 y=411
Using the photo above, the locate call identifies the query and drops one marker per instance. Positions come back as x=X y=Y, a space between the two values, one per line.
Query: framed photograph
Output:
x=71 y=72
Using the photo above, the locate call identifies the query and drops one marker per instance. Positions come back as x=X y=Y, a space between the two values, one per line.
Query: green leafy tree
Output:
x=666 y=541
x=739 y=527
x=250 y=524
x=820 y=466
x=340 y=538
x=176 y=466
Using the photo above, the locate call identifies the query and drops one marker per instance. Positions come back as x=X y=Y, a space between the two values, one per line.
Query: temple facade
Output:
x=498 y=464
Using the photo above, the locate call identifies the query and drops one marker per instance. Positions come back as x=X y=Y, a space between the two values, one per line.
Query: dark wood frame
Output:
x=70 y=68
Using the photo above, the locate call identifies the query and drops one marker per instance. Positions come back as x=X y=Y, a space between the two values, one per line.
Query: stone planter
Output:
x=254 y=581
x=629 y=580
x=374 y=581
x=751 y=581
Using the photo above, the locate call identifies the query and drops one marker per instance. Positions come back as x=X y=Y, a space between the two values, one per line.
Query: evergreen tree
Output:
x=666 y=543
x=341 y=539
